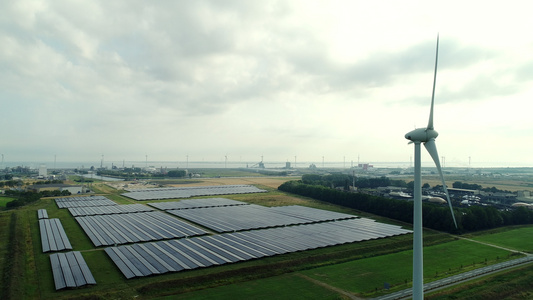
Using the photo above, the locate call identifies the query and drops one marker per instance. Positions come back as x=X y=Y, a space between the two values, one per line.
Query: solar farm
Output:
x=164 y=237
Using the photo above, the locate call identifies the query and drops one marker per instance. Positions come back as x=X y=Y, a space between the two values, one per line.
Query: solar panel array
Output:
x=245 y=217
x=106 y=230
x=108 y=210
x=187 y=192
x=70 y=270
x=53 y=236
x=196 y=203
x=83 y=201
x=310 y=214
x=160 y=243
x=139 y=260
x=42 y=214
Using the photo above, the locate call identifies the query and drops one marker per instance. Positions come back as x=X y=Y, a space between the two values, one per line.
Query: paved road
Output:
x=407 y=293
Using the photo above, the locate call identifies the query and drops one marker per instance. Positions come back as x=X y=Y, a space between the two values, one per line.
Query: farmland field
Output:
x=518 y=238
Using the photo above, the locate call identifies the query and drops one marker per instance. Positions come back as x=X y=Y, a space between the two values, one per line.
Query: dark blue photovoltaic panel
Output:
x=118 y=229
x=108 y=210
x=84 y=201
x=245 y=217
x=196 y=203
x=42 y=214
x=70 y=270
x=53 y=236
x=204 y=251
x=187 y=192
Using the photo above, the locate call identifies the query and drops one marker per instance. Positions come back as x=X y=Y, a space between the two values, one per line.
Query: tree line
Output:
x=435 y=216
x=345 y=181
x=11 y=183
x=139 y=173
x=27 y=197
x=473 y=186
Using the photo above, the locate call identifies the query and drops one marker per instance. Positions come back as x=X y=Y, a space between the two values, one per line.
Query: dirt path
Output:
x=329 y=287
x=273 y=182
x=492 y=245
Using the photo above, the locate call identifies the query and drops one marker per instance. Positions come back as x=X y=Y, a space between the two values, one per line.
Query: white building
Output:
x=42 y=171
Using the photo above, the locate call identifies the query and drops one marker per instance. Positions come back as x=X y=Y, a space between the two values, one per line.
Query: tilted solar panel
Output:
x=204 y=251
x=70 y=270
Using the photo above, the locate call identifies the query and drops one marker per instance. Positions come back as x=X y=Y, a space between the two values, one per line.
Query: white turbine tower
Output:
x=427 y=136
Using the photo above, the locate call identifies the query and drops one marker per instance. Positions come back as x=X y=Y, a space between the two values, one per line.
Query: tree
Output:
x=176 y=173
x=411 y=185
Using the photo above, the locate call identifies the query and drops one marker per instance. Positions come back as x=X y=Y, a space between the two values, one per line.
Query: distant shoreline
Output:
x=242 y=164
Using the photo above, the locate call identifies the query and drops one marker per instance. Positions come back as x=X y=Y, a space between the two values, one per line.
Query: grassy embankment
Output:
x=513 y=185
x=513 y=284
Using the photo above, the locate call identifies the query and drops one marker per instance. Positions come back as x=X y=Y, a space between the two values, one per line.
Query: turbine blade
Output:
x=430 y=122
x=432 y=149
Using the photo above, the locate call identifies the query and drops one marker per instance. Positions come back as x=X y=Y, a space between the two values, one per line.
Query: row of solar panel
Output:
x=80 y=198
x=174 y=193
x=245 y=217
x=108 y=210
x=53 y=236
x=185 y=188
x=196 y=203
x=70 y=270
x=42 y=214
x=311 y=214
x=175 y=255
x=106 y=230
x=85 y=202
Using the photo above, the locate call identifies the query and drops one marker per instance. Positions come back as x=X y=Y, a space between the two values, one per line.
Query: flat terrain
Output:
x=350 y=271
x=502 y=183
x=272 y=182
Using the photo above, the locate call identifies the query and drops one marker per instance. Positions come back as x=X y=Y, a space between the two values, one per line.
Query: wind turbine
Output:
x=426 y=136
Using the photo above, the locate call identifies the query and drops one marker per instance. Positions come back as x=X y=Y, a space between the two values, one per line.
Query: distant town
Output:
x=467 y=186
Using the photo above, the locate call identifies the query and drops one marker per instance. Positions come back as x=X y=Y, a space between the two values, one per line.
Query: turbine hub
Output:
x=421 y=135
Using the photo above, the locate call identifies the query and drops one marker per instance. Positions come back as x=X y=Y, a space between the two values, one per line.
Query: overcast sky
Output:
x=339 y=79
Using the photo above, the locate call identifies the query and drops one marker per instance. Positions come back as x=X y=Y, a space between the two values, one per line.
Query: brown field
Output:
x=502 y=184
x=267 y=182
x=272 y=182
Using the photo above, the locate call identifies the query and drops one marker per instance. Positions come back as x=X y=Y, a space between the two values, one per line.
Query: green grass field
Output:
x=288 y=286
x=513 y=284
x=517 y=239
x=4 y=201
x=367 y=275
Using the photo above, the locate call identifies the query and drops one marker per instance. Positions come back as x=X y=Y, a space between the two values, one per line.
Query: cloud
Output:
x=273 y=77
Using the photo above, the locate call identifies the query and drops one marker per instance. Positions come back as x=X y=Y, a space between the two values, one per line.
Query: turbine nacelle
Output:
x=421 y=135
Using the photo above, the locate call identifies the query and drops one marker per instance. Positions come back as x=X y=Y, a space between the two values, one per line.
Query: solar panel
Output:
x=107 y=230
x=156 y=262
x=205 y=251
x=42 y=214
x=85 y=201
x=245 y=217
x=108 y=210
x=70 y=270
x=187 y=192
x=196 y=203
x=53 y=236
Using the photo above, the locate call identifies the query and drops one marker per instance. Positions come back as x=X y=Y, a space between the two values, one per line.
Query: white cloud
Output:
x=322 y=78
